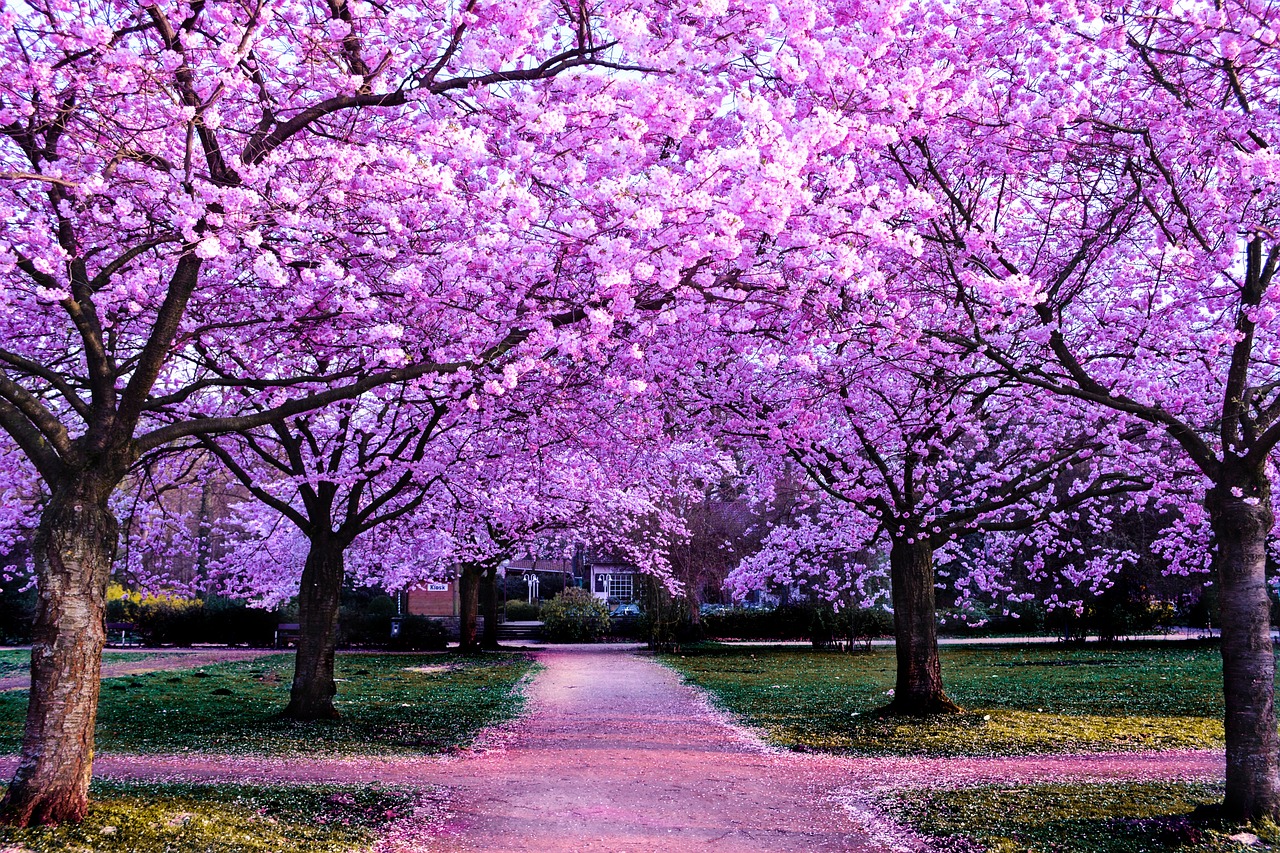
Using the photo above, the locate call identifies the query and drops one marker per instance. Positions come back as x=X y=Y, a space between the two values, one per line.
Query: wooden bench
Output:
x=123 y=634
x=287 y=634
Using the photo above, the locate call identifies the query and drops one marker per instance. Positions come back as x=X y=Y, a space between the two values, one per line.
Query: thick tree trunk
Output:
x=74 y=548
x=489 y=596
x=311 y=697
x=468 y=608
x=1242 y=517
x=919 y=685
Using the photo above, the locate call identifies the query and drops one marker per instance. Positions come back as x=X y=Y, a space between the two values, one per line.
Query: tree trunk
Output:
x=919 y=685
x=74 y=547
x=468 y=607
x=311 y=697
x=489 y=590
x=1241 y=523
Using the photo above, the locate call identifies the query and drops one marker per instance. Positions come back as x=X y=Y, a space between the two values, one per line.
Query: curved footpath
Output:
x=615 y=753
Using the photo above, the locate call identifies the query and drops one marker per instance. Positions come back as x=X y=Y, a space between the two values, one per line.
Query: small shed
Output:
x=615 y=582
x=432 y=599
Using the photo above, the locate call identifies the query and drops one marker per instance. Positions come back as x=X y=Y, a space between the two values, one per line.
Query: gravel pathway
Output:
x=616 y=754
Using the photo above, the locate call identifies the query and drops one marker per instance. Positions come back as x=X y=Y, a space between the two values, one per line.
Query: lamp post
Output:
x=502 y=573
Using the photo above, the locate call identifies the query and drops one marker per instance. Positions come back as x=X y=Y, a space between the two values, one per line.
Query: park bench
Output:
x=287 y=634
x=123 y=634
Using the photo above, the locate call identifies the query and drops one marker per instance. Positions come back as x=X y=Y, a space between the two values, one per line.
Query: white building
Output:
x=614 y=582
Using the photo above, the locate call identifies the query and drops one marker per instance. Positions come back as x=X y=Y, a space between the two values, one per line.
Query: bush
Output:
x=161 y=620
x=185 y=621
x=366 y=622
x=865 y=624
x=420 y=634
x=575 y=616
x=523 y=611
x=824 y=626
x=17 y=615
x=665 y=623
x=172 y=621
x=820 y=624
x=231 y=621
x=788 y=622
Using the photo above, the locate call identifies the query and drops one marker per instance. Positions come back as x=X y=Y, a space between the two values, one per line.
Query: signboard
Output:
x=437 y=587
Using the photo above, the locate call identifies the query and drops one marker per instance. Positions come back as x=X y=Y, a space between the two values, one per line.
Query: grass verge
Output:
x=1079 y=818
x=389 y=707
x=18 y=661
x=1018 y=699
x=168 y=817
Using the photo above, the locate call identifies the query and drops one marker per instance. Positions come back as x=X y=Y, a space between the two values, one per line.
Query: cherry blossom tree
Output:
x=909 y=443
x=334 y=475
x=1107 y=214
x=595 y=467
x=196 y=196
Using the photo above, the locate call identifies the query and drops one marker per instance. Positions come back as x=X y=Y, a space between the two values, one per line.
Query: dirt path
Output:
x=616 y=754
x=163 y=661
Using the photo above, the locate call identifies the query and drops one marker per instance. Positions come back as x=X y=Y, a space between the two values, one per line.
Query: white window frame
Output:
x=618 y=582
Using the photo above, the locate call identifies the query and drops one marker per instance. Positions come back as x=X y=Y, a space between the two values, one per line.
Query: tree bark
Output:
x=74 y=547
x=489 y=595
x=311 y=697
x=1240 y=511
x=919 y=684
x=468 y=608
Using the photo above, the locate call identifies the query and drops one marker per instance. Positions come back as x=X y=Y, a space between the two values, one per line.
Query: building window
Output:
x=620 y=587
x=599 y=583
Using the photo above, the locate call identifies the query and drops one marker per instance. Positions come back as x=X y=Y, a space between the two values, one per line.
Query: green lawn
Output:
x=1072 y=818
x=18 y=661
x=387 y=708
x=169 y=817
x=1017 y=699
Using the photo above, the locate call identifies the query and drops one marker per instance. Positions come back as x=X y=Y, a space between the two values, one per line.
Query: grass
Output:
x=18 y=661
x=169 y=817
x=1018 y=699
x=387 y=709
x=1073 y=818
x=14 y=662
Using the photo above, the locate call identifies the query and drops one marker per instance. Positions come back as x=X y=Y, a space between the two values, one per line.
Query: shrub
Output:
x=367 y=622
x=665 y=622
x=824 y=625
x=575 y=616
x=17 y=614
x=172 y=621
x=167 y=620
x=420 y=634
x=865 y=624
x=788 y=622
x=161 y=620
x=523 y=611
x=231 y=621
x=820 y=624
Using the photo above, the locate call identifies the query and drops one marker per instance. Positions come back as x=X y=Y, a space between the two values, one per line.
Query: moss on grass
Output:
x=1083 y=818
x=1018 y=699
x=387 y=708
x=166 y=818
x=1003 y=733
